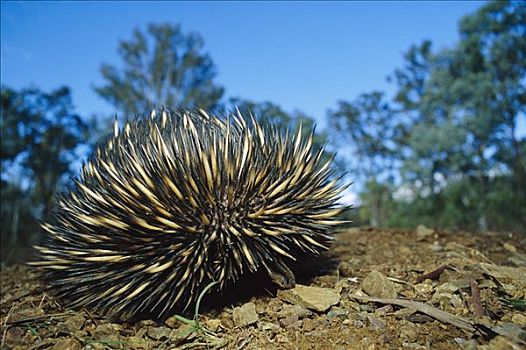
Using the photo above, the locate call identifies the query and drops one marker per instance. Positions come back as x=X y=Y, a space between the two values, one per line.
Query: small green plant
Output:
x=194 y=324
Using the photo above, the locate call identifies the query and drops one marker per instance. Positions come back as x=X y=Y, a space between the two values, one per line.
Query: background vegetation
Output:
x=443 y=151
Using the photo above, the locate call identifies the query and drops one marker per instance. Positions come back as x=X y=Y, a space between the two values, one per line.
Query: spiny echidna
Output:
x=181 y=199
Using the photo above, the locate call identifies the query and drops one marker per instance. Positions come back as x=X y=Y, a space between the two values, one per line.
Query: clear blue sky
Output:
x=300 y=55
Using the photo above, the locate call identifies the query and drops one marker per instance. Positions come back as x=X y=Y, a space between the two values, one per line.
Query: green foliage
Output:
x=162 y=66
x=40 y=135
x=365 y=132
x=450 y=133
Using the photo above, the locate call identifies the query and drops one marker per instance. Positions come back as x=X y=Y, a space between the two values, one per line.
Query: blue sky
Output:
x=300 y=55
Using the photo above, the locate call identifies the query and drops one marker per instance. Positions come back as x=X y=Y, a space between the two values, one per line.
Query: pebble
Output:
x=289 y=321
x=519 y=319
x=337 y=314
x=423 y=232
x=294 y=310
x=423 y=288
x=376 y=284
x=309 y=325
x=510 y=247
x=408 y=332
x=158 y=333
x=384 y=310
x=213 y=324
x=245 y=315
x=75 y=323
x=345 y=269
x=314 y=298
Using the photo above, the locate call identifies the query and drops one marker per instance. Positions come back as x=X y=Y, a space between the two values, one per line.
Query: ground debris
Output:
x=449 y=290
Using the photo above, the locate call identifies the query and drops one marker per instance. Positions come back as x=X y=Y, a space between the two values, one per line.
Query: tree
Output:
x=457 y=116
x=163 y=66
x=40 y=139
x=366 y=131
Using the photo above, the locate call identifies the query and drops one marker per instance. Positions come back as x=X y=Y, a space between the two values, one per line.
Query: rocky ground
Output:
x=376 y=289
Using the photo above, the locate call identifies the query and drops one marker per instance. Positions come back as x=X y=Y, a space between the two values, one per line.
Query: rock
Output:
x=269 y=326
x=281 y=338
x=365 y=307
x=423 y=232
x=456 y=301
x=424 y=288
x=75 y=323
x=384 y=310
x=213 y=324
x=337 y=314
x=510 y=247
x=375 y=323
x=288 y=321
x=345 y=269
x=245 y=315
x=172 y=322
x=294 y=310
x=408 y=332
x=67 y=344
x=108 y=331
x=519 y=319
x=159 y=333
x=309 y=325
x=377 y=285
x=314 y=298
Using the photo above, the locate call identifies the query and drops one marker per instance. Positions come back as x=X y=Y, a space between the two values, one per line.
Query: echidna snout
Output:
x=174 y=202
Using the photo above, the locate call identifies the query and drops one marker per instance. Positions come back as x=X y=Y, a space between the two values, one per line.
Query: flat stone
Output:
x=245 y=315
x=288 y=321
x=337 y=314
x=75 y=323
x=376 y=284
x=107 y=331
x=314 y=298
x=294 y=310
x=159 y=333
x=423 y=232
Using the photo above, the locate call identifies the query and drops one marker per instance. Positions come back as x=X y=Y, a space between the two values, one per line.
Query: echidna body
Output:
x=176 y=201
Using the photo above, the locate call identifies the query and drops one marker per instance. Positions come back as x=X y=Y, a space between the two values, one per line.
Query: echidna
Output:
x=176 y=201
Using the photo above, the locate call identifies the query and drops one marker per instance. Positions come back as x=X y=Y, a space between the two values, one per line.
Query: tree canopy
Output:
x=161 y=66
x=40 y=139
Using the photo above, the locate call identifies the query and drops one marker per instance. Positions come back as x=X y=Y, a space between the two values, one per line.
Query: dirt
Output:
x=376 y=289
